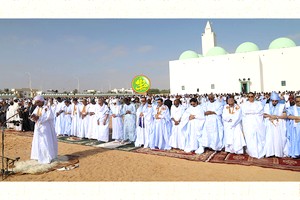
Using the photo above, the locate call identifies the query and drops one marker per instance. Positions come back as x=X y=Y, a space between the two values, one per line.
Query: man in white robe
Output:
x=161 y=127
x=59 y=121
x=129 y=112
x=102 y=116
x=9 y=115
x=92 y=126
x=75 y=118
x=144 y=123
x=177 y=139
x=233 y=133
x=117 y=121
x=52 y=106
x=253 y=127
x=192 y=122
x=83 y=119
x=275 y=115
x=213 y=130
x=67 y=118
x=293 y=129
x=44 y=143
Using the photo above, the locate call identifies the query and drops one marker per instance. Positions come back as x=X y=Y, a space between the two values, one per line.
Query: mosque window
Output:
x=182 y=87
x=212 y=86
x=197 y=89
x=283 y=83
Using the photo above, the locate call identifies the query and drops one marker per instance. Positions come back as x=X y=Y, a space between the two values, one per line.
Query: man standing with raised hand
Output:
x=44 y=143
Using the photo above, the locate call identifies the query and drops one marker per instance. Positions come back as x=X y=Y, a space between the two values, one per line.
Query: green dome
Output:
x=188 y=54
x=282 y=42
x=216 y=51
x=246 y=47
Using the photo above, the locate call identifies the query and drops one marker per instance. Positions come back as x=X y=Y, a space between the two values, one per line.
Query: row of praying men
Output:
x=257 y=129
x=262 y=127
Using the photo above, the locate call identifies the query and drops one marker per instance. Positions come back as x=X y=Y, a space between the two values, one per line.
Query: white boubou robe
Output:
x=129 y=122
x=92 y=126
x=193 y=129
x=102 y=113
x=44 y=143
x=59 y=120
x=144 y=125
x=276 y=141
x=83 y=121
x=253 y=128
x=213 y=130
x=161 y=128
x=75 y=119
x=177 y=139
x=67 y=120
x=234 y=140
x=293 y=132
x=117 y=122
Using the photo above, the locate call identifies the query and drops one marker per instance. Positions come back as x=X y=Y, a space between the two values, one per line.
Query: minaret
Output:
x=208 y=39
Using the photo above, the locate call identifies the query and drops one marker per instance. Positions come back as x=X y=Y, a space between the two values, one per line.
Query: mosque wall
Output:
x=281 y=65
x=262 y=70
x=213 y=74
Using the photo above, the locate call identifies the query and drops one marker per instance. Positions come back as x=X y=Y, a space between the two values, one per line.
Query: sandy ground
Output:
x=97 y=164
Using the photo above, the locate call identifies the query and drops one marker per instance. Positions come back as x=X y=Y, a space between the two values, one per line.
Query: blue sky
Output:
x=105 y=53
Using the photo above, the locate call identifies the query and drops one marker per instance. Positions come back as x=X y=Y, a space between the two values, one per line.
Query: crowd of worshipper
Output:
x=257 y=124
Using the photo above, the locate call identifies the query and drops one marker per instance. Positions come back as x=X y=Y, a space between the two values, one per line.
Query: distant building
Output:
x=24 y=92
x=122 y=91
x=248 y=69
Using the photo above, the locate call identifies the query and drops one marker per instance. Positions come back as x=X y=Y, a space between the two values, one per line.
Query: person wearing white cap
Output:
x=102 y=126
x=44 y=143
x=275 y=115
x=117 y=122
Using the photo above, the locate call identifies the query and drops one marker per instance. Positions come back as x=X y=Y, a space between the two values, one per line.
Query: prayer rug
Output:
x=76 y=140
x=227 y=158
x=128 y=147
x=62 y=163
x=177 y=154
x=112 y=145
x=271 y=162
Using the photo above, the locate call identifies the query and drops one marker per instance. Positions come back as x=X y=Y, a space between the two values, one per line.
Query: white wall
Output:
x=266 y=69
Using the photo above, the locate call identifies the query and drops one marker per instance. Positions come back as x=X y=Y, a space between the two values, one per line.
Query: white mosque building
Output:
x=248 y=69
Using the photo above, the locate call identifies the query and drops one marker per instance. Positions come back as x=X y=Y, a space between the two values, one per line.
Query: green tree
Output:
x=153 y=91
